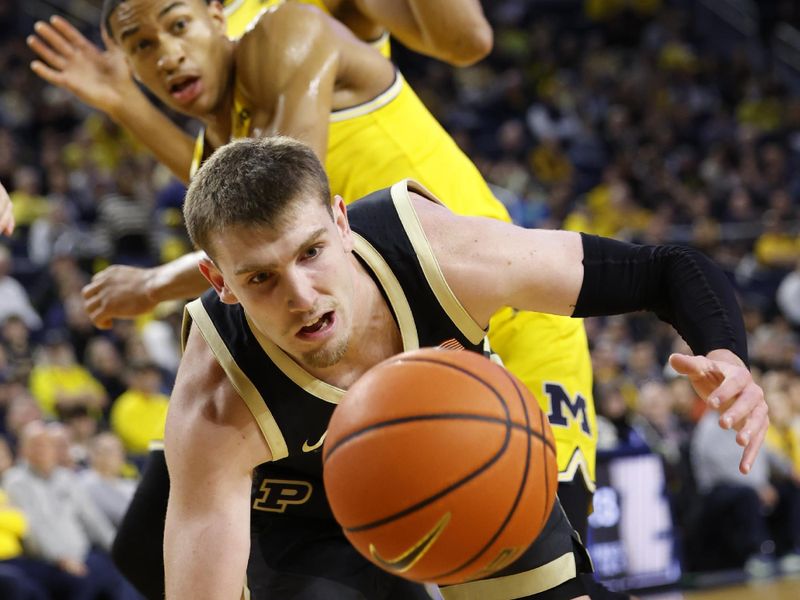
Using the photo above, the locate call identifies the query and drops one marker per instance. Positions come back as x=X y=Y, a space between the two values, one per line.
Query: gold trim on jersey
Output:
x=245 y=388
x=430 y=266
x=369 y=106
x=382 y=44
x=197 y=152
x=577 y=462
x=402 y=310
x=519 y=585
x=155 y=446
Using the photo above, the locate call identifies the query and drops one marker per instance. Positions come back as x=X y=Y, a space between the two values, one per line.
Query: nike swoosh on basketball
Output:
x=309 y=448
x=410 y=557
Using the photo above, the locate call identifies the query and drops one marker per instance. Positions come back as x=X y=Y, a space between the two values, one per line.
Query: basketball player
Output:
x=308 y=296
x=359 y=115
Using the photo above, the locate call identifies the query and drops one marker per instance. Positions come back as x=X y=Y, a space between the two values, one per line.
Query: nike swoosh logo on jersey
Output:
x=309 y=448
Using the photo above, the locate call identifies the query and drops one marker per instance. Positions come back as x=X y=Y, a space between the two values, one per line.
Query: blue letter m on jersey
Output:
x=559 y=400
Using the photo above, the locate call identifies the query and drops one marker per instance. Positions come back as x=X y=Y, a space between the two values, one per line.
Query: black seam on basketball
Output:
x=434 y=417
x=379 y=424
x=517 y=498
x=455 y=485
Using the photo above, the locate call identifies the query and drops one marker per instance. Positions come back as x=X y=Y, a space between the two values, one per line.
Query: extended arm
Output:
x=125 y=292
x=212 y=445
x=455 y=31
x=103 y=80
x=572 y=274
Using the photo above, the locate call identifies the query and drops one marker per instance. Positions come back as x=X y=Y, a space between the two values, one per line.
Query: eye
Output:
x=141 y=46
x=180 y=25
x=312 y=252
x=259 y=278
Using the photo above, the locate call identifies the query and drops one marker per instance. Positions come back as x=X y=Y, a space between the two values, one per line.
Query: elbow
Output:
x=470 y=46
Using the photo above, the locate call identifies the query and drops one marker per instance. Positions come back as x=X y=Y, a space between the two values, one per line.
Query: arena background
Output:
x=646 y=120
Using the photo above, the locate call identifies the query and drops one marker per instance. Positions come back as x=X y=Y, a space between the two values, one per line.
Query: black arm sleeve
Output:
x=680 y=285
x=138 y=549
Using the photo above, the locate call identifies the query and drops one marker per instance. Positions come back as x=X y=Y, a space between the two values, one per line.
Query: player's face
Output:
x=177 y=49
x=295 y=282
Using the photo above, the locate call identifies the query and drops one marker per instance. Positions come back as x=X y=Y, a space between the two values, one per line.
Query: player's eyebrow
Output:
x=131 y=30
x=250 y=268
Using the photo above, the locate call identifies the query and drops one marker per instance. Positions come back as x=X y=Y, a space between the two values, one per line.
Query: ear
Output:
x=342 y=222
x=217 y=280
x=217 y=15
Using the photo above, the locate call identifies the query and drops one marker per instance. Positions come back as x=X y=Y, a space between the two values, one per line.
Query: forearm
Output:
x=680 y=285
x=205 y=558
x=455 y=31
x=169 y=143
x=179 y=279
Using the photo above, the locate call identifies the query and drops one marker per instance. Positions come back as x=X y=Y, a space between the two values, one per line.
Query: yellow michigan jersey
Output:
x=393 y=137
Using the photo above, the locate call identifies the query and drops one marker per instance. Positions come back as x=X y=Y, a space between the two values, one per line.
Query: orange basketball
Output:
x=440 y=466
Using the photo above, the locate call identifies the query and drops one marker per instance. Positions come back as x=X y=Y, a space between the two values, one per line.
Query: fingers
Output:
x=56 y=41
x=739 y=400
x=693 y=366
x=49 y=75
x=753 y=446
x=44 y=51
x=734 y=383
x=70 y=33
x=747 y=413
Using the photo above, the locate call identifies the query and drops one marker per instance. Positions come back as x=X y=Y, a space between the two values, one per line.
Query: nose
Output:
x=300 y=293
x=172 y=55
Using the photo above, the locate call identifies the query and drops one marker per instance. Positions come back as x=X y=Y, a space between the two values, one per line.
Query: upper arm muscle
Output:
x=212 y=444
x=490 y=264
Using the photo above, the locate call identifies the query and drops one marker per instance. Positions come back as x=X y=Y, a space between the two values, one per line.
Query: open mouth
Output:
x=186 y=89
x=319 y=325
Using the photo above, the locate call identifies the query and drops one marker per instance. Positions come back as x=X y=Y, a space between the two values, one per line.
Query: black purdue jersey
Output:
x=291 y=406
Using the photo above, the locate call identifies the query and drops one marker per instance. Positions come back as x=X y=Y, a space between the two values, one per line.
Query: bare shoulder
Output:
x=280 y=42
x=289 y=21
x=444 y=229
x=206 y=415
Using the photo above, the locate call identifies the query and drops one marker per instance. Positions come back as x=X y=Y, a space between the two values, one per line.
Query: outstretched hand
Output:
x=101 y=79
x=726 y=384
x=118 y=292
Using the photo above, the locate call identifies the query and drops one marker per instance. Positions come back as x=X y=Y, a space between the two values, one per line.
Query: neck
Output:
x=375 y=334
x=218 y=121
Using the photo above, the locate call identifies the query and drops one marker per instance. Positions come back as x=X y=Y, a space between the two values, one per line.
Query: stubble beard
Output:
x=326 y=357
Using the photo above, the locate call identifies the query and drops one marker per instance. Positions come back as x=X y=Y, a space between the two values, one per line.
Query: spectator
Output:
x=15 y=337
x=104 y=481
x=15 y=583
x=66 y=530
x=731 y=528
x=105 y=364
x=58 y=381
x=15 y=298
x=138 y=416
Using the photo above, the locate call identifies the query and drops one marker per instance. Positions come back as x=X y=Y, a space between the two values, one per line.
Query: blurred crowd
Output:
x=612 y=117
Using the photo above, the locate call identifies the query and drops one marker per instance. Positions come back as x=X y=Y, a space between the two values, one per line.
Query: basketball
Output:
x=440 y=466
